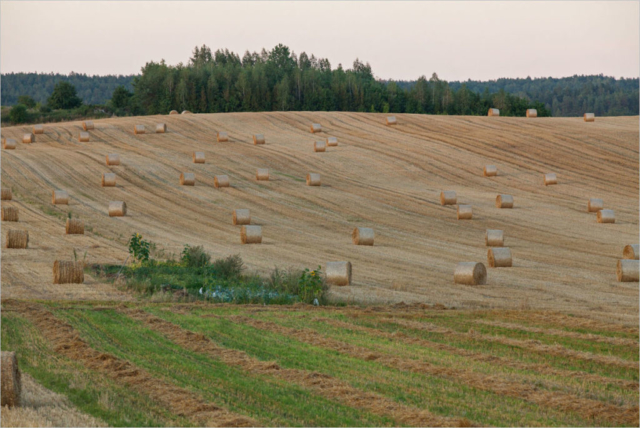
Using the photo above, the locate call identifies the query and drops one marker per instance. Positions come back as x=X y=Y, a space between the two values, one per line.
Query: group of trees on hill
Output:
x=278 y=79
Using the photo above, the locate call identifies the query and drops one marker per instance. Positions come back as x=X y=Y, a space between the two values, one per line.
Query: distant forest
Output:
x=222 y=81
x=95 y=90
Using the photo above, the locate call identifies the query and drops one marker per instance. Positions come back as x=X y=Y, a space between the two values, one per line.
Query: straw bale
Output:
x=113 y=159
x=108 y=179
x=38 y=129
x=222 y=136
x=241 y=216
x=470 y=273
x=28 y=138
x=631 y=252
x=186 y=112
x=258 y=139
x=332 y=141
x=17 y=239
x=490 y=171
x=198 y=157
x=499 y=257
x=84 y=137
x=139 y=129
x=221 y=181
x=187 y=179
x=6 y=194
x=493 y=112
x=465 y=212
x=313 y=179
x=174 y=112
x=262 y=174
x=531 y=112
x=448 y=197
x=316 y=127
x=9 y=214
x=60 y=197
x=338 y=273
x=494 y=238
x=10 y=379
x=391 y=120
x=68 y=272
x=589 y=117
x=594 y=205
x=504 y=201
x=627 y=270
x=9 y=144
x=117 y=209
x=161 y=128
x=319 y=146
x=550 y=179
x=606 y=216
x=363 y=236
x=74 y=226
x=87 y=125
x=251 y=234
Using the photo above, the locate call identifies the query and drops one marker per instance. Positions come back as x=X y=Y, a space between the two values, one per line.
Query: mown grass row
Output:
x=273 y=401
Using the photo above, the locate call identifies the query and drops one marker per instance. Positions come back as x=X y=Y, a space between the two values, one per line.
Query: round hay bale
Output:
x=222 y=137
x=338 y=273
x=589 y=117
x=74 y=226
x=10 y=379
x=60 y=197
x=627 y=270
x=465 y=212
x=38 y=129
x=187 y=179
x=113 y=159
x=221 y=181
x=470 y=273
x=28 y=138
x=316 y=127
x=68 y=272
x=448 y=197
x=108 y=179
x=251 y=234
x=490 y=171
x=363 y=236
x=493 y=112
x=391 y=120
x=594 y=205
x=258 y=139
x=9 y=214
x=17 y=239
x=332 y=141
x=87 y=125
x=550 y=179
x=241 y=216
x=117 y=209
x=9 y=144
x=313 y=179
x=262 y=174
x=631 y=252
x=319 y=146
x=494 y=238
x=6 y=194
x=174 y=112
x=161 y=128
x=531 y=112
x=606 y=216
x=138 y=129
x=186 y=112
x=84 y=137
x=499 y=257
x=198 y=157
x=504 y=201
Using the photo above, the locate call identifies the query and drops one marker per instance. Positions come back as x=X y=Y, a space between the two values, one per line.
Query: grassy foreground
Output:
x=177 y=364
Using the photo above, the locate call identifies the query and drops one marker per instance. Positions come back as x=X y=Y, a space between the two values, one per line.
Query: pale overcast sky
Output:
x=401 y=40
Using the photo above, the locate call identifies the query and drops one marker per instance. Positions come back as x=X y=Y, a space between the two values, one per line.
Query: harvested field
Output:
x=315 y=366
x=565 y=262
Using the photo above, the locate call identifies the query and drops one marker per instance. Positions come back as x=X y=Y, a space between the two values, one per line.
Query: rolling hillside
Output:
x=388 y=178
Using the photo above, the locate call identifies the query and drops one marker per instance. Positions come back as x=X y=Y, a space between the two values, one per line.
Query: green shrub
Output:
x=139 y=248
x=194 y=257
x=311 y=285
x=228 y=268
x=19 y=114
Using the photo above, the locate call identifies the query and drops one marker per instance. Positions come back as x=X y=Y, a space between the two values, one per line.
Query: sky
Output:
x=401 y=40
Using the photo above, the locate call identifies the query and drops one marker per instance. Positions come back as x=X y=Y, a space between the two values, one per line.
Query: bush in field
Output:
x=228 y=268
x=139 y=248
x=27 y=101
x=311 y=285
x=18 y=114
x=194 y=257
x=64 y=97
